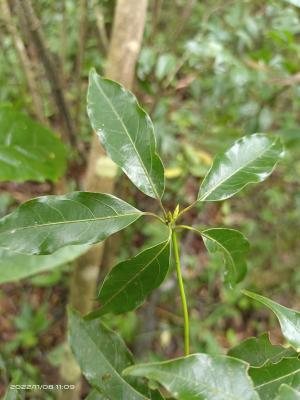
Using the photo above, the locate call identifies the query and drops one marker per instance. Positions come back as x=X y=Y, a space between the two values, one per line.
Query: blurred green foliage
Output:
x=208 y=73
x=231 y=69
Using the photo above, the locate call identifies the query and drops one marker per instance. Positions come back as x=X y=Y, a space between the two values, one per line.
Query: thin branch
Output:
x=24 y=60
x=63 y=38
x=101 y=26
x=37 y=38
x=156 y=10
x=184 y=18
x=83 y=8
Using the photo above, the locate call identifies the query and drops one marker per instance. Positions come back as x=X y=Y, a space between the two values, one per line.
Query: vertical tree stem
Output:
x=182 y=294
x=24 y=59
x=37 y=37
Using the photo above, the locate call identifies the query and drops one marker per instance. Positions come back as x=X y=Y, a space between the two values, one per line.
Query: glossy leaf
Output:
x=15 y=266
x=289 y=319
x=268 y=378
x=141 y=386
x=45 y=224
x=200 y=377
x=251 y=159
x=152 y=395
x=126 y=132
x=129 y=283
x=287 y=393
x=101 y=355
x=235 y=248
x=28 y=150
x=259 y=351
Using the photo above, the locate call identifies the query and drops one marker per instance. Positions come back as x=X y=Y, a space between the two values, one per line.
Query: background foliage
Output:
x=207 y=74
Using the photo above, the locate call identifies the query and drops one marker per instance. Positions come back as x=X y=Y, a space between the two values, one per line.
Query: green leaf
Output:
x=200 y=377
x=287 y=393
x=268 y=378
x=141 y=386
x=101 y=355
x=235 y=248
x=259 y=351
x=126 y=132
x=45 y=224
x=166 y=64
x=95 y=395
x=289 y=319
x=16 y=266
x=251 y=159
x=13 y=394
x=28 y=150
x=130 y=282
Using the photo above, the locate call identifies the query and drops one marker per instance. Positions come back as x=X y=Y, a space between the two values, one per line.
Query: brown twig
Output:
x=101 y=26
x=83 y=8
x=24 y=60
x=25 y=8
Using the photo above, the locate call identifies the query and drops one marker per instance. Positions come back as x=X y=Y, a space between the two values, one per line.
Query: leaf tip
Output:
x=93 y=73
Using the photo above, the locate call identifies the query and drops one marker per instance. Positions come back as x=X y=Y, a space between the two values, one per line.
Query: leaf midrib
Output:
x=224 y=248
x=189 y=381
x=129 y=137
x=278 y=379
x=71 y=222
x=234 y=173
x=134 y=276
x=116 y=373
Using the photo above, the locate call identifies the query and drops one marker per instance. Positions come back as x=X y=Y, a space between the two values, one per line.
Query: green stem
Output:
x=182 y=294
x=155 y=216
x=162 y=207
x=187 y=208
x=190 y=228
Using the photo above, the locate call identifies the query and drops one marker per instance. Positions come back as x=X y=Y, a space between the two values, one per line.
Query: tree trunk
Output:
x=128 y=28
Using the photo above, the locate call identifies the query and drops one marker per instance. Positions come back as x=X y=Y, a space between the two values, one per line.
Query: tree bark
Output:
x=127 y=33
